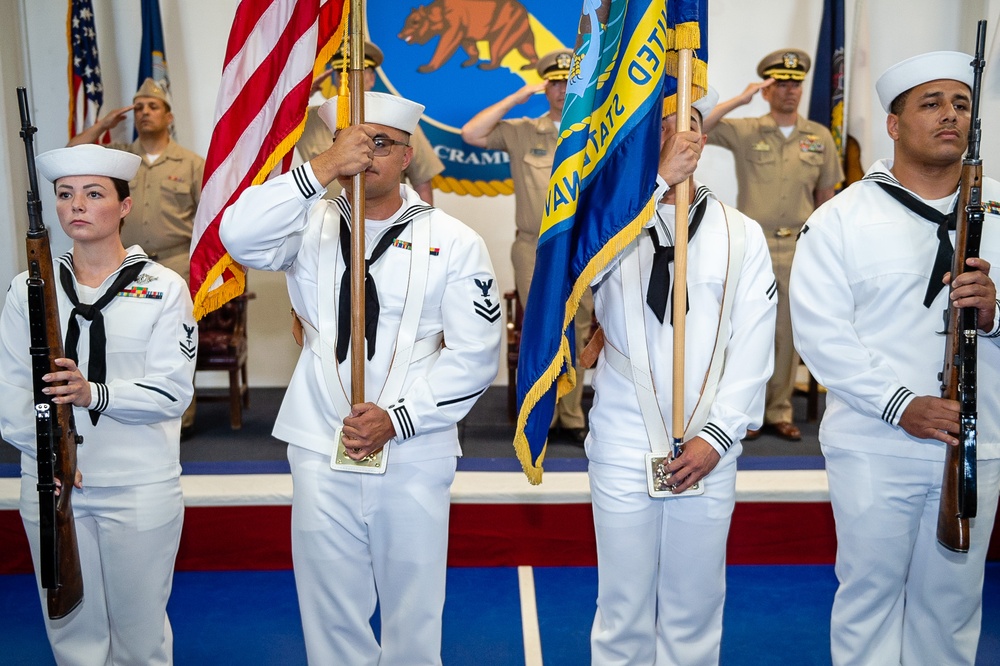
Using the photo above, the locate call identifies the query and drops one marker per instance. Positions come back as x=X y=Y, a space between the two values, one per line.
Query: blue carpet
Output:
x=774 y=615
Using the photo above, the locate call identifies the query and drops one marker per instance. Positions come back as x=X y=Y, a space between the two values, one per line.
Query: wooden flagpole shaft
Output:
x=356 y=82
x=682 y=203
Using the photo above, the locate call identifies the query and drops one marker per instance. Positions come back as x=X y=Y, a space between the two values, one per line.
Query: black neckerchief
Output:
x=97 y=369
x=371 y=292
x=944 y=222
x=659 y=274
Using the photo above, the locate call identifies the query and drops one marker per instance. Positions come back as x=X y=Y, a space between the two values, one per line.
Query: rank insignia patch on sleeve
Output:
x=486 y=308
x=188 y=347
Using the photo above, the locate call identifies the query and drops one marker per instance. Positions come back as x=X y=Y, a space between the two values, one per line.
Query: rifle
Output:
x=958 y=487
x=56 y=438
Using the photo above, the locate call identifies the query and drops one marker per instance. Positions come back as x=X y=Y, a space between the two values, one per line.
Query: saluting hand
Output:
x=366 y=430
x=975 y=289
x=747 y=95
x=113 y=119
x=529 y=89
x=75 y=391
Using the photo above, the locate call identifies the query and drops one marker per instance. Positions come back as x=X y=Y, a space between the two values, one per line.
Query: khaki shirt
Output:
x=316 y=138
x=777 y=176
x=165 y=196
x=531 y=143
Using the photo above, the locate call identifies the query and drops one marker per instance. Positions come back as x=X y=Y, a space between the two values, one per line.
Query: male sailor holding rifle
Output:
x=867 y=293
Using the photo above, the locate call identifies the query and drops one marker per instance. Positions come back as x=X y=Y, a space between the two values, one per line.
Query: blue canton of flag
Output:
x=601 y=188
x=86 y=92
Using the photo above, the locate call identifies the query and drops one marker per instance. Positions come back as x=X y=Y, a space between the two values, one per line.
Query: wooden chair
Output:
x=222 y=346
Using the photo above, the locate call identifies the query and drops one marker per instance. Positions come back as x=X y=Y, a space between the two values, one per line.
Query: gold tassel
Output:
x=344 y=94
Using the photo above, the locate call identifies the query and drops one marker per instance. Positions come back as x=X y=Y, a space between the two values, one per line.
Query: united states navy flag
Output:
x=826 y=104
x=600 y=191
x=152 y=53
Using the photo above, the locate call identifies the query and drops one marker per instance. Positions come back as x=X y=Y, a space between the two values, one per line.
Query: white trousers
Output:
x=128 y=538
x=661 y=568
x=903 y=598
x=362 y=538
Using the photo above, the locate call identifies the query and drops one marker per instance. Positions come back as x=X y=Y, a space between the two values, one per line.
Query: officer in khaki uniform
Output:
x=531 y=143
x=786 y=166
x=316 y=137
x=165 y=190
x=167 y=187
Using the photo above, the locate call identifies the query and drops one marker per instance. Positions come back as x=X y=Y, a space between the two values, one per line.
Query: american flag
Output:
x=275 y=49
x=86 y=92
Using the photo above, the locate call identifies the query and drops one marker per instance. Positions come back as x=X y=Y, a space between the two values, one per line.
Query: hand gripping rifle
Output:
x=958 y=380
x=56 y=438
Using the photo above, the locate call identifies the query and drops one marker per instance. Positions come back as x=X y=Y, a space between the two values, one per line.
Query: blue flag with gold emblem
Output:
x=152 y=52
x=826 y=104
x=601 y=187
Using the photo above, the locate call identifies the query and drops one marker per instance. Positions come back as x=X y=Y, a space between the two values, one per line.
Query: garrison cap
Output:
x=87 y=159
x=784 y=65
x=151 y=88
x=555 y=66
x=381 y=109
x=920 y=69
x=373 y=55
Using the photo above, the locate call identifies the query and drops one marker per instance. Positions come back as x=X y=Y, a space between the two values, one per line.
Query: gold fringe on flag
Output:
x=565 y=383
x=207 y=299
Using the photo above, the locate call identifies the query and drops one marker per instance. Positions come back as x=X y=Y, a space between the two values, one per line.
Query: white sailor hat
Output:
x=703 y=104
x=920 y=69
x=381 y=109
x=707 y=102
x=87 y=159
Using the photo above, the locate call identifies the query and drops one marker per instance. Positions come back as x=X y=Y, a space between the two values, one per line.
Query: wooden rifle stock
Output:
x=958 y=486
x=55 y=428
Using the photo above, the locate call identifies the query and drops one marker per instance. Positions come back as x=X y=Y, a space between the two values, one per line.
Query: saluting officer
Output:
x=786 y=166
x=531 y=143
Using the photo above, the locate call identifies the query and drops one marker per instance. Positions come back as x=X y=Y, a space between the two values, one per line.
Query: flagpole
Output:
x=682 y=202
x=357 y=97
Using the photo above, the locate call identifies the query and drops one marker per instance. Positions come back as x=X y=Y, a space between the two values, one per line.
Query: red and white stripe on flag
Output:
x=86 y=90
x=275 y=49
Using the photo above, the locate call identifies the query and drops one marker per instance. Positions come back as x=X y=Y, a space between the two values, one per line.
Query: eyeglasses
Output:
x=383 y=145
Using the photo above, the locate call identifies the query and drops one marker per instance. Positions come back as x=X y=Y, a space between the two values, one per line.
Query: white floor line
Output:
x=529 y=617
